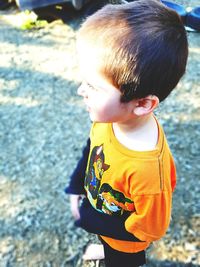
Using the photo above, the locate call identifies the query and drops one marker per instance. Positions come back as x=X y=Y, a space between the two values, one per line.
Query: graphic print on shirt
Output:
x=95 y=172
x=102 y=196
x=113 y=202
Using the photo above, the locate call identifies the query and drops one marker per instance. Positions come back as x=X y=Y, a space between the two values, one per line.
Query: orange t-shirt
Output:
x=139 y=183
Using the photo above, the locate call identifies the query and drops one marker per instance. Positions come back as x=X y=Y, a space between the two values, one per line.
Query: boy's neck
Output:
x=141 y=134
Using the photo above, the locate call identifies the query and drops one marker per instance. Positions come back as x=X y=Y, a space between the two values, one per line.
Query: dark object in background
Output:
x=51 y=10
x=33 y=4
x=193 y=19
x=93 y=6
x=64 y=11
x=4 y=4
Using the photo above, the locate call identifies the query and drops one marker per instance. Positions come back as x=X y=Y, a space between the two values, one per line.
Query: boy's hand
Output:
x=74 y=205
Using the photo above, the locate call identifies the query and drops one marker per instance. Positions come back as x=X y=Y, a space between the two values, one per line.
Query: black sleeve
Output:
x=76 y=185
x=103 y=224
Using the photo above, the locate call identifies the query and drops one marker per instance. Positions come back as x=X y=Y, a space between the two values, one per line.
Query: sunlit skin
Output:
x=102 y=99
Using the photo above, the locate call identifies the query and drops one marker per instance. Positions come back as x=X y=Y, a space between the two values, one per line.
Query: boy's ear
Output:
x=146 y=105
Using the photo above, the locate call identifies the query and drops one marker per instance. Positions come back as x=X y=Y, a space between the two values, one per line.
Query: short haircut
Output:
x=142 y=47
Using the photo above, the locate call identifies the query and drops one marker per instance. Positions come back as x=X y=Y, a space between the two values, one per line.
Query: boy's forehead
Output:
x=87 y=48
x=90 y=68
x=89 y=71
x=89 y=57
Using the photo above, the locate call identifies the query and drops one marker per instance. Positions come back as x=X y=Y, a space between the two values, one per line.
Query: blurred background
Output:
x=44 y=125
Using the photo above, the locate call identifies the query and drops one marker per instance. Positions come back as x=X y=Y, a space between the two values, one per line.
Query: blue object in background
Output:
x=193 y=19
x=178 y=8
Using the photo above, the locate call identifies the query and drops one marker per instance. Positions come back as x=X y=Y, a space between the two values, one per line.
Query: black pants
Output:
x=115 y=258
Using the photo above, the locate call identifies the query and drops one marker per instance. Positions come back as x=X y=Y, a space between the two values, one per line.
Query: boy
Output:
x=131 y=57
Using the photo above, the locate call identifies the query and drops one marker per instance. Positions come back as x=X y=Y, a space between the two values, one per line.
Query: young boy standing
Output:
x=131 y=57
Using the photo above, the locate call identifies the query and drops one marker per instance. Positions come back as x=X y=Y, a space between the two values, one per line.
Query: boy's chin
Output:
x=94 y=119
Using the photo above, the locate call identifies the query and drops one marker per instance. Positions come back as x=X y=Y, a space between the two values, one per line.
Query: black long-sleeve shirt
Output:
x=92 y=220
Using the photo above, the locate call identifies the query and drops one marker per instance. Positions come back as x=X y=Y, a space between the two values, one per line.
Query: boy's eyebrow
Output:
x=99 y=87
x=95 y=85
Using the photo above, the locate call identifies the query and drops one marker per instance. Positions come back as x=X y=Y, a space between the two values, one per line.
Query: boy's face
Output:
x=101 y=98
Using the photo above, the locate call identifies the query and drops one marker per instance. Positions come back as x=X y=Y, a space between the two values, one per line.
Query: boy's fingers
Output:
x=74 y=201
x=76 y=214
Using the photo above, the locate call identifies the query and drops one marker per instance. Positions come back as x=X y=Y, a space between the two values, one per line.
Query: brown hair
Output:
x=142 y=47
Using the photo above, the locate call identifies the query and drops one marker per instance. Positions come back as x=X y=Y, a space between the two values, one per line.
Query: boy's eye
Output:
x=91 y=87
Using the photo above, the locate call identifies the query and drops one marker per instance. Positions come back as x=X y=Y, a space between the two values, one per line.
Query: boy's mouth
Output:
x=88 y=108
x=86 y=104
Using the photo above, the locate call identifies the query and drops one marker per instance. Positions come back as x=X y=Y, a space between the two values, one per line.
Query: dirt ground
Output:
x=43 y=126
